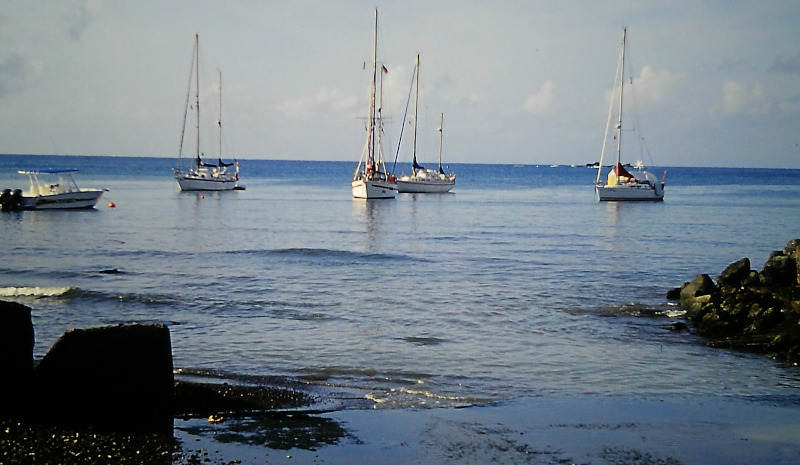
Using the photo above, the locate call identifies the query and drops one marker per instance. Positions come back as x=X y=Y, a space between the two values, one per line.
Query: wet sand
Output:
x=560 y=430
x=294 y=427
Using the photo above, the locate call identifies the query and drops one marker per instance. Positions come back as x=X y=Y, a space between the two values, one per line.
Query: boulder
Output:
x=779 y=270
x=701 y=285
x=735 y=273
x=114 y=378
x=16 y=355
x=750 y=310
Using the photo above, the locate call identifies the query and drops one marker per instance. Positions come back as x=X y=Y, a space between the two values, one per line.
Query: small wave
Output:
x=630 y=309
x=74 y=293
x=333 y=254
x=36 y=291
x=418 y=397
x=423 y=341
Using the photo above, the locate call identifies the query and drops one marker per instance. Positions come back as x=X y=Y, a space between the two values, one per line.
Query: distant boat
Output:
x=424 y=180
x=370 y=178
x=621 y=184
x=202 y=176
x=56 y=190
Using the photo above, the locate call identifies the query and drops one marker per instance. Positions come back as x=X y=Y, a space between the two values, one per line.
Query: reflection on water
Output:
x=275 y=430
x=371 y=217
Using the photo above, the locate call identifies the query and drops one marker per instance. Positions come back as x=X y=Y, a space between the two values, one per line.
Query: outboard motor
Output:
x=5 y=197
x=16 y=200
x=5 y=200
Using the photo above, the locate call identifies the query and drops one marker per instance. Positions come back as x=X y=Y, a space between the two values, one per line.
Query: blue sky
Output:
x=717 y=82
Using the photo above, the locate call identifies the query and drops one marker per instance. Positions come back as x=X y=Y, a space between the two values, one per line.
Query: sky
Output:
x=717 y=82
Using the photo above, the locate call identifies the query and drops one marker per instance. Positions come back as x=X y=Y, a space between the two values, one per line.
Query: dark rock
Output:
x=115 y=378
x=735 y=273
x=791 y=248
x=701 y=285
x=749 y=310
x=110 y=271
x=674 y=293
x=16 y=356
x=678 y=326
x=206 y=398
x=779 y=270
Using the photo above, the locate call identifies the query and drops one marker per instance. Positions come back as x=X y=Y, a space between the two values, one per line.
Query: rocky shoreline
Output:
x=746 y=309
x=108 y=395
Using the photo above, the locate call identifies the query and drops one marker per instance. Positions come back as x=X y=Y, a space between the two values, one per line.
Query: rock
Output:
x=779 y=270
x=750 y=310
x=114 y=378
x=735 y=273
x=16 y=356
x=110 y=271
x=701 y=285
x=674 y=293
x=678 y=326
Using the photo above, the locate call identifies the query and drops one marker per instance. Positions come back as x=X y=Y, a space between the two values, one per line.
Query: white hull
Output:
x=365 y=189
x=85 y=198
x=189 y=181
x=414 y=185
x=626 y=192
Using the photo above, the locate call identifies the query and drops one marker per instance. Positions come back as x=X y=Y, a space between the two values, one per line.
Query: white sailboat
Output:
x=621 y=184
x=425 y=180
x=370 y=178
x=202 y=176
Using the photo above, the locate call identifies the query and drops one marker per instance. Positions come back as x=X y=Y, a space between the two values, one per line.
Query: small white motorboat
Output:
x=56 y=190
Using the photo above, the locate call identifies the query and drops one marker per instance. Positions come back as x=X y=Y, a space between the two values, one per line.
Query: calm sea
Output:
x=517 y=284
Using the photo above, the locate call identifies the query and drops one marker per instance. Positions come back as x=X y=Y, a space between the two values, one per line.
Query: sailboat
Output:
x=622 y=184
x=370 y=178
x=202 y=176
x=424 y=180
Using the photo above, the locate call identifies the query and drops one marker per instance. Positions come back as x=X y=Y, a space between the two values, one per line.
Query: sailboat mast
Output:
x=197 y=93
x=416 y=102
x=219 y=121
x=621 y=88
x=441 y=128
x=372 y=114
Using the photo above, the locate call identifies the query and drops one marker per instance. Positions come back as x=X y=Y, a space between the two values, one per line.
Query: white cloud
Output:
x=738 y=98
x=653 y=87
x=541 y=101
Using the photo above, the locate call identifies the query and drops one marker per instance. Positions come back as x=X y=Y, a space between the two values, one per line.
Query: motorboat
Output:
x=57 y=190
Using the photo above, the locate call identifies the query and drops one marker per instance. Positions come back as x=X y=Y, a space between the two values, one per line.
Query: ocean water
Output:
x=518 y=284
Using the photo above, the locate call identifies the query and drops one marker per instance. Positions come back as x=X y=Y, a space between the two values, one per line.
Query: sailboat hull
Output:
x=367 y=189
x=417 y=185
x=204 y=181
x=643 y=192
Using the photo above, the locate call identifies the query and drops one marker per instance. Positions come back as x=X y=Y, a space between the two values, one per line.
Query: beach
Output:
x=552 y=430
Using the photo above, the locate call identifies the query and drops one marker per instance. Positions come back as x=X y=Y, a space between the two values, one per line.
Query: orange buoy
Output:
x=111 y=205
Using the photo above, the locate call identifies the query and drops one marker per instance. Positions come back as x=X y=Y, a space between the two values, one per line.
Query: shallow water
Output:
x=517 y=284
